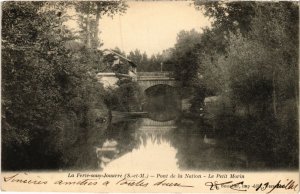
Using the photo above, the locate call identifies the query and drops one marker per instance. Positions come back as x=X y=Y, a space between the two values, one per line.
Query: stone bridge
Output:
x=144 y=79
x=149 y=79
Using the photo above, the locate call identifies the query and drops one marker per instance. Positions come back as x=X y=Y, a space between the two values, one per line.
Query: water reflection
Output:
x=162 y=102
x=169 y=145
x=144 y=143
x=147 y=146
x=155 y=154
x=198 y=150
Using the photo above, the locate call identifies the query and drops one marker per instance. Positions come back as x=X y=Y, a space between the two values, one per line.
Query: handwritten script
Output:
x=16 y=178
x=145 y=181
x=242 y=186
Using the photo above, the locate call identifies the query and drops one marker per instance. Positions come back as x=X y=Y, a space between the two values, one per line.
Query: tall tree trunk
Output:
x=96 y=31
x=88 y=28
x=274 y=94
x=296 y=88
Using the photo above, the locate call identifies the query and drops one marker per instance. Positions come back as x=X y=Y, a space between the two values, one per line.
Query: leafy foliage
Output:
x=257 y=69
x=185 y=56
x=157 y=62
x=48 y=88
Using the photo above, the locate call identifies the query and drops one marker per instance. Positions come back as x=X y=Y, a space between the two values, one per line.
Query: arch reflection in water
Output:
x=169 y=145
x=152 y=151
x=155 y=145
x=162 y=102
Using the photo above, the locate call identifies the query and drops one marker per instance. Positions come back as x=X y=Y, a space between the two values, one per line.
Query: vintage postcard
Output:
x=150 y=96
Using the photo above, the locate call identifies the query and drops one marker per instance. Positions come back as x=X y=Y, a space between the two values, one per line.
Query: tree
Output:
x=33 y=56
x=42 y=83
x=263 y=55
x=185 y=56
x=90 y=13
x=137 y=57
x=257 y=69
x=228 y=16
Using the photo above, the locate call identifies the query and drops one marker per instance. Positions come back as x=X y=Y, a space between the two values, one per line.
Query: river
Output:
x=170 y=145
x=164 y=141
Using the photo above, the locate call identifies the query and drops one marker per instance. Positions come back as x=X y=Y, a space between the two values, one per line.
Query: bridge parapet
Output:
x=155 y=74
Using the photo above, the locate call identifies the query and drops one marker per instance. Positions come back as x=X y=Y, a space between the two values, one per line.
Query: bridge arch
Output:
x=146 y=87
x=160 y=89
x=150 y=79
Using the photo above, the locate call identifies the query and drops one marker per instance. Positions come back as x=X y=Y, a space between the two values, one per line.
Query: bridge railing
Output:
x=155 y=74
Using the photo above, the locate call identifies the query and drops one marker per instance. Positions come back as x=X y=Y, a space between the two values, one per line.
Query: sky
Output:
x=150 y=26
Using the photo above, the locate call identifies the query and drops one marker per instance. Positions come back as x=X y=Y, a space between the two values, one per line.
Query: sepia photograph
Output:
x=150 y=86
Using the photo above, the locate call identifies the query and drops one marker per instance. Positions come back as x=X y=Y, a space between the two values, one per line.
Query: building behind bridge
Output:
x=110 y=79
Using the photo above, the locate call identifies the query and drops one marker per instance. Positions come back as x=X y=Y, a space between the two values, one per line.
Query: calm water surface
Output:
x=169 y=145
x=164 y=141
